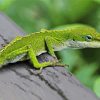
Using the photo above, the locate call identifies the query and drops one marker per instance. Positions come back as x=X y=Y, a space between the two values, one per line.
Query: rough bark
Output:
x=54 y=83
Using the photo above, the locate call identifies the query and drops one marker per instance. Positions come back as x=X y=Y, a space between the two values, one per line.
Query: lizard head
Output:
x=85 y=39
x=79 y=36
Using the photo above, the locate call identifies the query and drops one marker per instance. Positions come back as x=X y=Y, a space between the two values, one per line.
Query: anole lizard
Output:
x=32 y=45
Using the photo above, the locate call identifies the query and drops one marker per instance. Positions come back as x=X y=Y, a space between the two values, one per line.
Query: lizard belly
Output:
x=17 y=58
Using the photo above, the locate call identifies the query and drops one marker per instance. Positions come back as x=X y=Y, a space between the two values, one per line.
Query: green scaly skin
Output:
x=74 y=36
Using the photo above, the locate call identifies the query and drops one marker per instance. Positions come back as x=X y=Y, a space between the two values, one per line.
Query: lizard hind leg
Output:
x=11 y=57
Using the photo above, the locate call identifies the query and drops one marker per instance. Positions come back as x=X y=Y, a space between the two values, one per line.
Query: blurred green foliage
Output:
x=32 y=15
x=97 y=86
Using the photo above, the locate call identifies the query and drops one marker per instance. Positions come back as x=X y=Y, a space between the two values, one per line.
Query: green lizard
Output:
x=32 y=45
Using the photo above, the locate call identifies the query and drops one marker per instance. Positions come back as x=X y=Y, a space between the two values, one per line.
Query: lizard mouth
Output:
x=83 y=44
x=77 y=45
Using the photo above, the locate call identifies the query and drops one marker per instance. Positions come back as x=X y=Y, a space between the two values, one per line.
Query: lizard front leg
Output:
x=50 y=42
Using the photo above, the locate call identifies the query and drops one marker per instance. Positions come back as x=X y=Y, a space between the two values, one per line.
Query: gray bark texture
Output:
x=54 y=83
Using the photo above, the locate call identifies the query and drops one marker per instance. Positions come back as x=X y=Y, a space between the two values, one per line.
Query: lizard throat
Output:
x=77 y=45
x=82 y=44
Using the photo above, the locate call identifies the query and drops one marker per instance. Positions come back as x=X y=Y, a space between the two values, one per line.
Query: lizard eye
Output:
x=88 y=38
